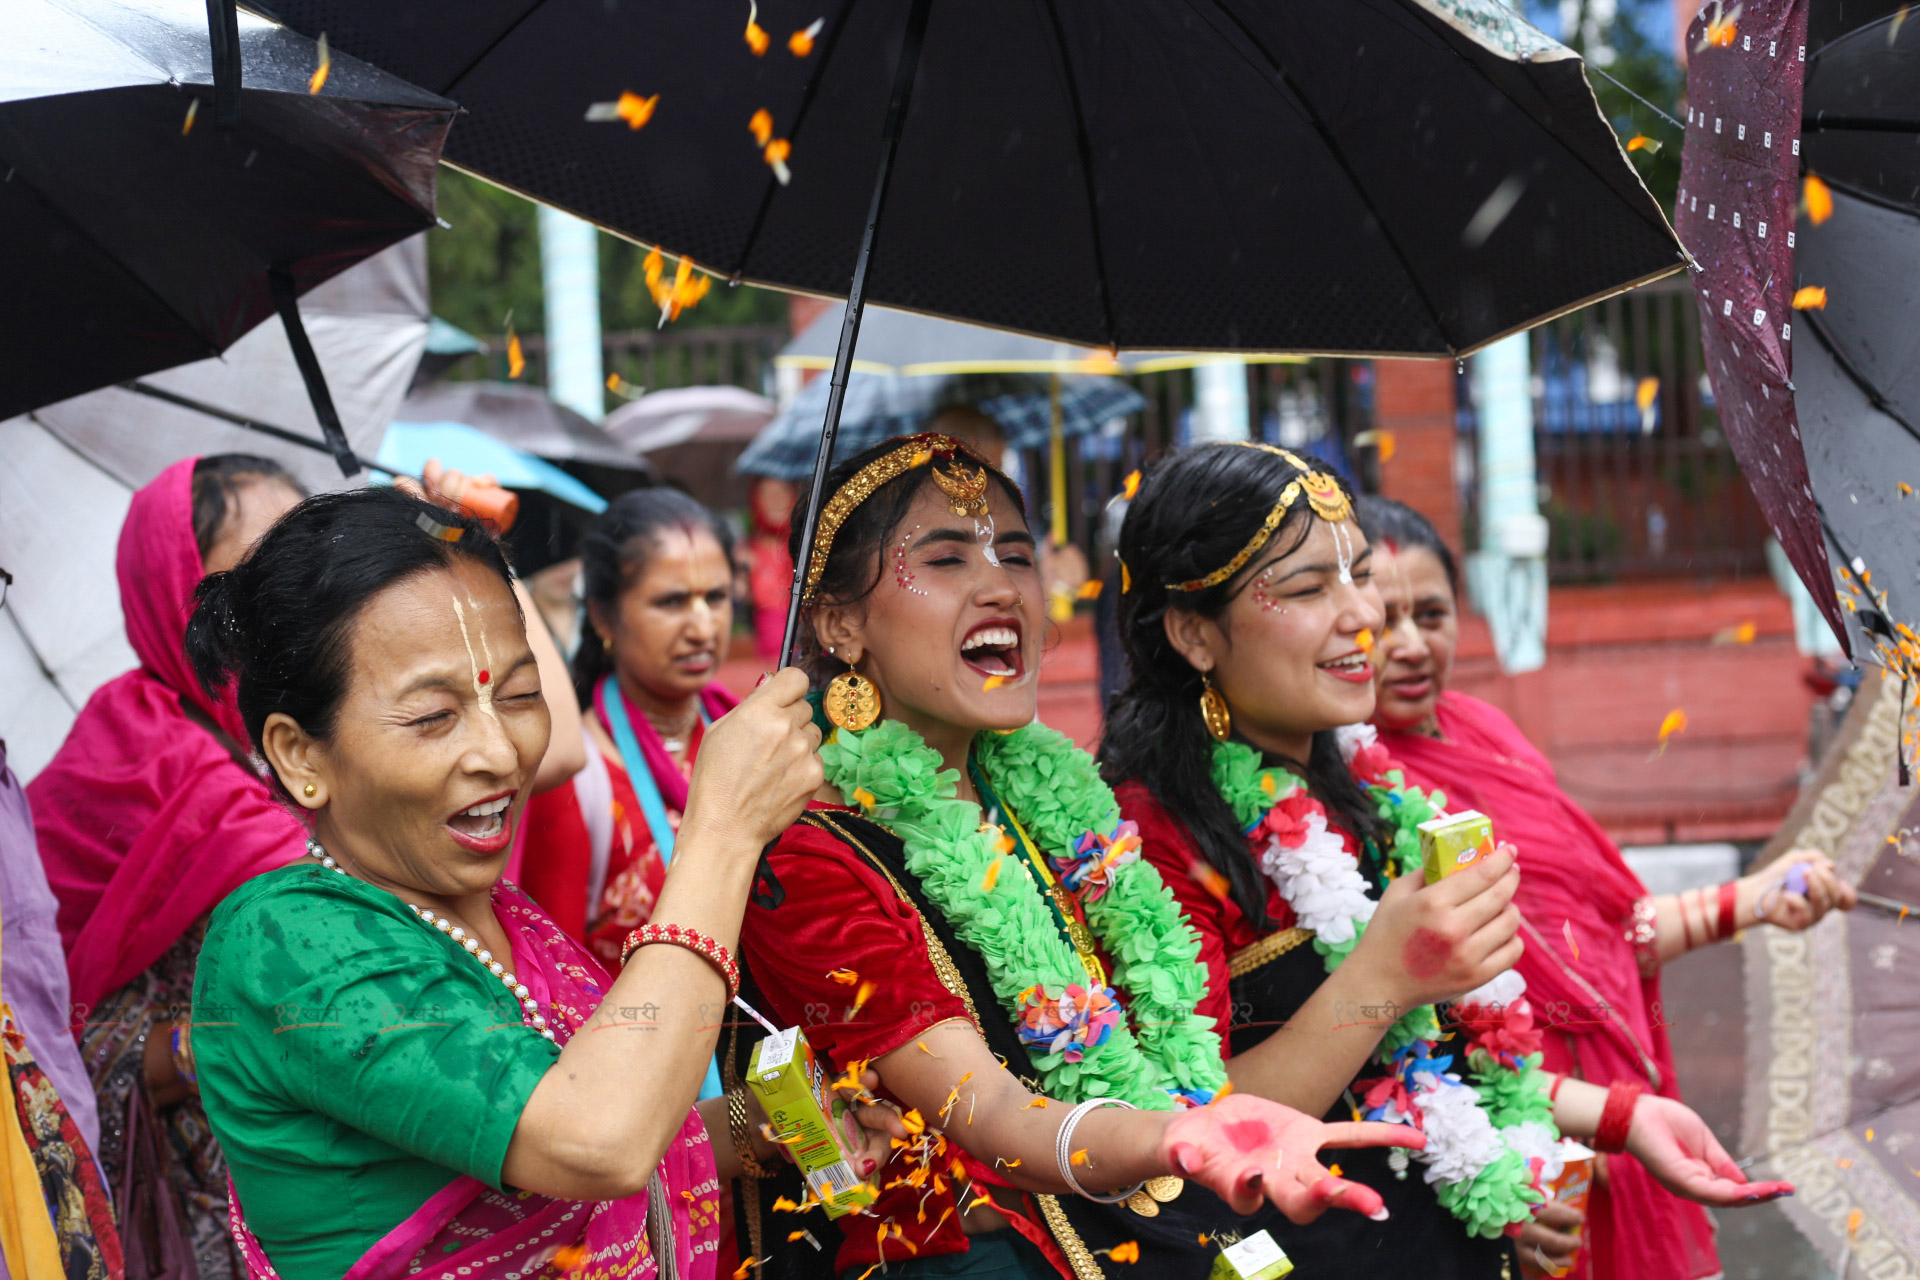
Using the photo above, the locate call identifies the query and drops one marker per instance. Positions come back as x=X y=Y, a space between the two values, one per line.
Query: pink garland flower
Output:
x=1071 y=1024
x=1097 y=858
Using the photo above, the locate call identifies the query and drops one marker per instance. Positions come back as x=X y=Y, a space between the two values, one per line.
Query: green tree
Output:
x=1632 y=44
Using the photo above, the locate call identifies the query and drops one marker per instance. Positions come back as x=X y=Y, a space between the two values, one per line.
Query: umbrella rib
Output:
x=1859 y=379
x=1085 y=145
x=492 y=44
x=810 y=91
x=1319 y=126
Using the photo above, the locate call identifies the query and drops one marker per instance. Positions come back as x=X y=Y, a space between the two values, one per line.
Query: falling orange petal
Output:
x=1223 y=1090
x=860 y=999
x=1641 y=142
x=1079 y=1157
x=1566 y=927
x=1906 y=490
x=1646 y=393
x=845 y=977
x=992 y=877
x=761 y=126
x=800 y=43
x=1720 y=35
x=776 y=153
x=1205 y=1239
x=1869 y=1135
x=992 y=682
x=1819 y=198
x=1743 y=633
x=1675 y=722
x=569 y=1258
x=1212 y=880
x=783 y=1205
x=634 y=109
x=322 y=68
x=1131 y=485
x=740 y=1272
x=193 y=109
x=1125 y=1251
x=1812 y=297
x=516 y=358
x=1854 y=1219
x=864 y=798
x=796 y=1235
x=1365 y=639
x=1037 y=1102
x=1090 y=589
x=757 y=38
x=1334 y=1169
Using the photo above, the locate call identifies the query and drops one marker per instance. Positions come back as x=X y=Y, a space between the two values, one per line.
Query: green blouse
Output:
x=353 y=1061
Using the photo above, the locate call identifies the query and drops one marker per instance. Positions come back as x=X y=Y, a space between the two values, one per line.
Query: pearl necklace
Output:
x=530 y=1008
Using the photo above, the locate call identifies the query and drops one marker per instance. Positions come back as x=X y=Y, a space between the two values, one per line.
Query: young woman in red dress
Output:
x=658 y=572
x=1598 y=1005
x=962 y=909
x=1248 y=616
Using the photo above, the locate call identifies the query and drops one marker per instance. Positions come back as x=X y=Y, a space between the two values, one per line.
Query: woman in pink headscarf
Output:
x=148 y=816
x=1595 y=937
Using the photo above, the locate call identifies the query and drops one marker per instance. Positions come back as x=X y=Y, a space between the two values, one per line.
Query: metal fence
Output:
x=655 y=360
x=1631 y=491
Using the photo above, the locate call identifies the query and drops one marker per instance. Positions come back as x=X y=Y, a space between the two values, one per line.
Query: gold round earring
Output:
x=851 y=701
x=308 y=790
x=1213 y=709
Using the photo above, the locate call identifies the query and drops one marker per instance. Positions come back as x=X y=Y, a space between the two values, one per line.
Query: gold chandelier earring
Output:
x=852 y=702
x=1213 y=709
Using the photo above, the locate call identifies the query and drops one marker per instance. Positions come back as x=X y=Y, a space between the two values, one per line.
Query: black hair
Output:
x=1399 y=525
x=614 y=556
x=279 y=622
x=854 y=564
x=1194 y=513
x=218 y=479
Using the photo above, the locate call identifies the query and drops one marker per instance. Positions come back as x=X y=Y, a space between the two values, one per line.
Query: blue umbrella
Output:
x=409 y=445
x=879 y=407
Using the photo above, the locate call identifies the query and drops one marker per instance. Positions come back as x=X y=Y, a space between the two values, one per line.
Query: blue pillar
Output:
x=1220 y=400
x=570 y=280
x=1508 y=574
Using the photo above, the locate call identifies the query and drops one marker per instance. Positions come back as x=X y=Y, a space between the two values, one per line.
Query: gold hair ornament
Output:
x=966 y=490
x=1324 y=495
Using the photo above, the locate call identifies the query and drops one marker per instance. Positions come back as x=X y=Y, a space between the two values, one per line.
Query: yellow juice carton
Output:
x=1450 y=843
x=1255 y=1258
x=817 y=1124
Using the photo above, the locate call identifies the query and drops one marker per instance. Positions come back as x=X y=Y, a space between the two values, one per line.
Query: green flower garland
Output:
x=1055 y=789
x=1503 y=1192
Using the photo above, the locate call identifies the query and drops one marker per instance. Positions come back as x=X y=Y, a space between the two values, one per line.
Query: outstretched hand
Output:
x=1246 y=1149
x=1678 y=1149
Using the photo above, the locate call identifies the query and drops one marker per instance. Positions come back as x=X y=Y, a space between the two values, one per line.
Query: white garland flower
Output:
x=1501 y=990
x=1354 y=738
x=1531 y=1140
x=1461 y=1140
x=1321 y=881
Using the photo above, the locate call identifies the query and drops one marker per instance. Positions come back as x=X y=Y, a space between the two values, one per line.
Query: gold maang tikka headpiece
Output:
x=965 y=488
x=1324 y=494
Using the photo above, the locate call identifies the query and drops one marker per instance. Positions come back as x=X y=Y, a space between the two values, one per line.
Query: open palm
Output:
x=1678 y=1149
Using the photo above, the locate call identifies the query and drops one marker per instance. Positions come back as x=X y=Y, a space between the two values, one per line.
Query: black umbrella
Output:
x=1856 y=366
x=1354 y=176
x=140 y=233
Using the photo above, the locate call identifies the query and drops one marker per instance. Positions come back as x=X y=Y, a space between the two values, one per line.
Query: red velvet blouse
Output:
x=841 y=913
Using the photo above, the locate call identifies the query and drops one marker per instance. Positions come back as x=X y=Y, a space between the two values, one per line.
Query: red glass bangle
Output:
x=1729 y=898
x=1554 y=1092
x=1616 y=1118
x=675 y=935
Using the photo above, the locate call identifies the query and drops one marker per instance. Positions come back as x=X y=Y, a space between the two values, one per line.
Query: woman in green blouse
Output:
x=389 y=1040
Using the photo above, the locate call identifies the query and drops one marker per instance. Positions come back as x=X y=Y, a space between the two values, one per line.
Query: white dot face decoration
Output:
x=903 y=576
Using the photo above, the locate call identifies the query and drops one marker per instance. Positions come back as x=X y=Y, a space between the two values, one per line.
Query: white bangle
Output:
x=1063 y=1150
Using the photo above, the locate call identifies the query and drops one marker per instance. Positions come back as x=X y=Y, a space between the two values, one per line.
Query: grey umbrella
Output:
x=525 y=417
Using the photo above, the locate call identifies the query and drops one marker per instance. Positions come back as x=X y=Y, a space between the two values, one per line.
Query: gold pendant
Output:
x=1166 y=1189
x=851 y=701
x=1143 y=1204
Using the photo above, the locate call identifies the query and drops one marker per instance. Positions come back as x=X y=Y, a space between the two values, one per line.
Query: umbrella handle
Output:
x=903 y=76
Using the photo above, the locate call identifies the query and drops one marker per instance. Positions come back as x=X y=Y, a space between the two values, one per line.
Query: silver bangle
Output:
x=1063 y=1151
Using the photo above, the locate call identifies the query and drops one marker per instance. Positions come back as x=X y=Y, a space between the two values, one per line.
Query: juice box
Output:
x=1448 y=844
x=1575 y=1184
x=817 y=1124
x=1255 y=1258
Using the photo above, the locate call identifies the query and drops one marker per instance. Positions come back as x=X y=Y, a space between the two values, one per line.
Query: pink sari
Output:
x=1601 y=1018
x=469 y=1231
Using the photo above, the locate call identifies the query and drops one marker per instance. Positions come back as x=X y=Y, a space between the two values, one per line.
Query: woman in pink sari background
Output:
x=411 y=1069
x=1599 y=1007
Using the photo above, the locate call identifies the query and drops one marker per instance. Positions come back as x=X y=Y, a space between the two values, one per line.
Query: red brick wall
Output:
x=1413 y=399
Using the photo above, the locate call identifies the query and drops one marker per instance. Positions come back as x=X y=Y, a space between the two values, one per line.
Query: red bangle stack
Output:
x=1616 y=1118
x=1729 y=897
x=675 y=935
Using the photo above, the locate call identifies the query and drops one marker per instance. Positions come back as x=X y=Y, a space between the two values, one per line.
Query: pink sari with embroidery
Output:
x=469 y=1231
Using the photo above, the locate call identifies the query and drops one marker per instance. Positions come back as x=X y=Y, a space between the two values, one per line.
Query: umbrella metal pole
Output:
x=903 y=77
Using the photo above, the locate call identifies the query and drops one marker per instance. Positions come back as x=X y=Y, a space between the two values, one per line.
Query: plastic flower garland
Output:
x=1148 y=1047
x=1490 y=1145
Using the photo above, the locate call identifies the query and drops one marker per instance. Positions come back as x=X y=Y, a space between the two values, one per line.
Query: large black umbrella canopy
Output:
x=130 y=241
x=1856 y=365
x=1352 y=176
